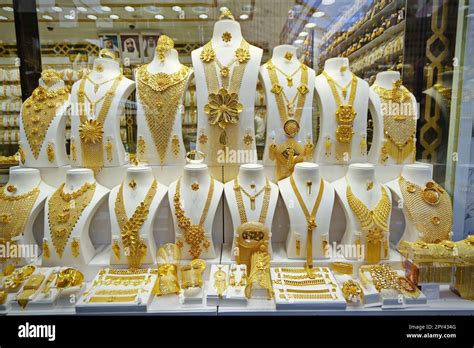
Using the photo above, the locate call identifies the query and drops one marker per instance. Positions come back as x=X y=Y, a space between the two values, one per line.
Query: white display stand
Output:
x=359 y=176
x=225 y=53
x=55 y=135
x=75 y=178
x=324 y=97
x=109 y=69
x=132 y=197
x=251 y=174
x=303 y=173
x=193 y=201
x=170 y=65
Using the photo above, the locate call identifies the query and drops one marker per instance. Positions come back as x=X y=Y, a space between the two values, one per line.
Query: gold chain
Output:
x=345 y=116
x=238 y=189
x=64 y=212
x=194 y=234
x=290 y=114
x=300 y=282
x=289 y=77
x=309 y=296
x=38 y=112
x=310 y=219
x=428 y=208
x=161 y=93
x=134 y=246
x=91 y=131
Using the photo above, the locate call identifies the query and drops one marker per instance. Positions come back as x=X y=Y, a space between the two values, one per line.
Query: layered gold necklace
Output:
x=134 y=246
x=399 y=123
x=374 y=222
x=38 y=112
x=345 y=116
x=428 y=208
x=65 y=209
x=91 y=130
x=251 y=236
x=224 y=107
x=194 y=234
x=160 y=95
x=310 y=220
x=14 y=213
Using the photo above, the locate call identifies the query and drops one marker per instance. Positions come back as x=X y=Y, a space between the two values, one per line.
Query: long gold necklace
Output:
x=224 y=107
x=38 y=112
x=428 y=208
x=290 y=114
x=134 y=246
x=289 y=77
x=160 y=95
x=14 y=213
x=310 y=220
x=399 y=123
x=65 y=209
x=345 y=116
x=194 y=234
x=251 y=236
x=374 y=222
x=91 y=131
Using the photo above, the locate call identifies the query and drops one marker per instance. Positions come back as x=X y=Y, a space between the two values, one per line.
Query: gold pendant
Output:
x=175 y=145
x=289 y=81
x=288 y=55
x=11 y=188
x=220 y=281
x=195 y=186
x=309 y=184
x=116 y=249
x=50 y=152
x=141 y=147
x=75 y=247
x=132 y=184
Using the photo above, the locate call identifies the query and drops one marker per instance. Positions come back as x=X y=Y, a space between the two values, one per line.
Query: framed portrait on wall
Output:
x=110 y=42
x=130 y=45
x=149 y=42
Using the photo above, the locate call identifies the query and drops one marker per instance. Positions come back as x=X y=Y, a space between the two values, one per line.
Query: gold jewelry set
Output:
x=399 y=122
x=383 y=277
x=290 y=152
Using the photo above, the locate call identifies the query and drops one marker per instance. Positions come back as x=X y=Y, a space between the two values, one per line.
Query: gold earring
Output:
x=116 y=249
x=202 y=137
x=288 y=55
x=226 y=37
x=132 y=183
x=195 y=186
x=46 y=253
x=75 y=247
x=141 y=146
x=108 y=150
x=175 y=145
x=220 y=281
x=164 y=45
x=248 y=138
x=50 y=152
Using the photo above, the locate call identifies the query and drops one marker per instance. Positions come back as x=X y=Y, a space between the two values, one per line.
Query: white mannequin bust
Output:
x=195 y=184
x=252 y=178
x=55 y=133
x=338 y=69
x=225 y=54
x=364 y=185
x=136 y=186
x=275 y=132
x=307 y=178
x=103 y=75
x=170 y=64
x=386 y=80
x=75 y=179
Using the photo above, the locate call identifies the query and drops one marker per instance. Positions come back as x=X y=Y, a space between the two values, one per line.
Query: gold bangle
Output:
x=191 y=275
x=342 y=268
x=96 y=299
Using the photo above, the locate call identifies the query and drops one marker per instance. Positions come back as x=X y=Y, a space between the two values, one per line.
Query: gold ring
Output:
x=195 y=153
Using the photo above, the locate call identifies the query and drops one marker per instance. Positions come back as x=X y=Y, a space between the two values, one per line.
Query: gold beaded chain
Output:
x=194 y=234
x=135 y=247
x=38 y=112
x=65 y=209
x=161 y=93
x=428 y=208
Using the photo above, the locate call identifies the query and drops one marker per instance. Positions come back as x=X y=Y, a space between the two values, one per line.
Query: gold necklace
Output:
x=134 y=246
x=310 y=220
x=372 y=221
x=14 y=213
x=290 y=114
x=251 y=236
x=91 y=131
x=161 y=93
x=399 y=126
x=289 y=77
x=65 y=209
x=194 y=234
x=38 y=112
x=345 y=116
x=98 y=84
x=224 y=107
x=428 y=208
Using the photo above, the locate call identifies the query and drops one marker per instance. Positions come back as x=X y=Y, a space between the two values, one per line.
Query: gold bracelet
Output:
x=301 y=270
x=191 y=275
x=304 y=291
x=127 y=271
x=309 y=297
x=300 y=283
x=352 y=291
x=96 y=299
x=303 y=276
x=117 y=292
x=342 y=267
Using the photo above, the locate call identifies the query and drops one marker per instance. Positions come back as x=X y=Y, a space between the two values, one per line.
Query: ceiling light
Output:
x=318 y=14
x=105 y=8
x=7 y=8
x=203 y=16
x=310 y=25
x=160 y=17
x=176 y=8
x=244 y=16
x=3 y=18
x=70 y=16
x=49 y=18
x=298 y=42
x=303 y=34
x=129 y=8
x=114 y=16
x=223 y=8
x=81 y=9
x=93 y=17
x=57 y=9
x=328 y=2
